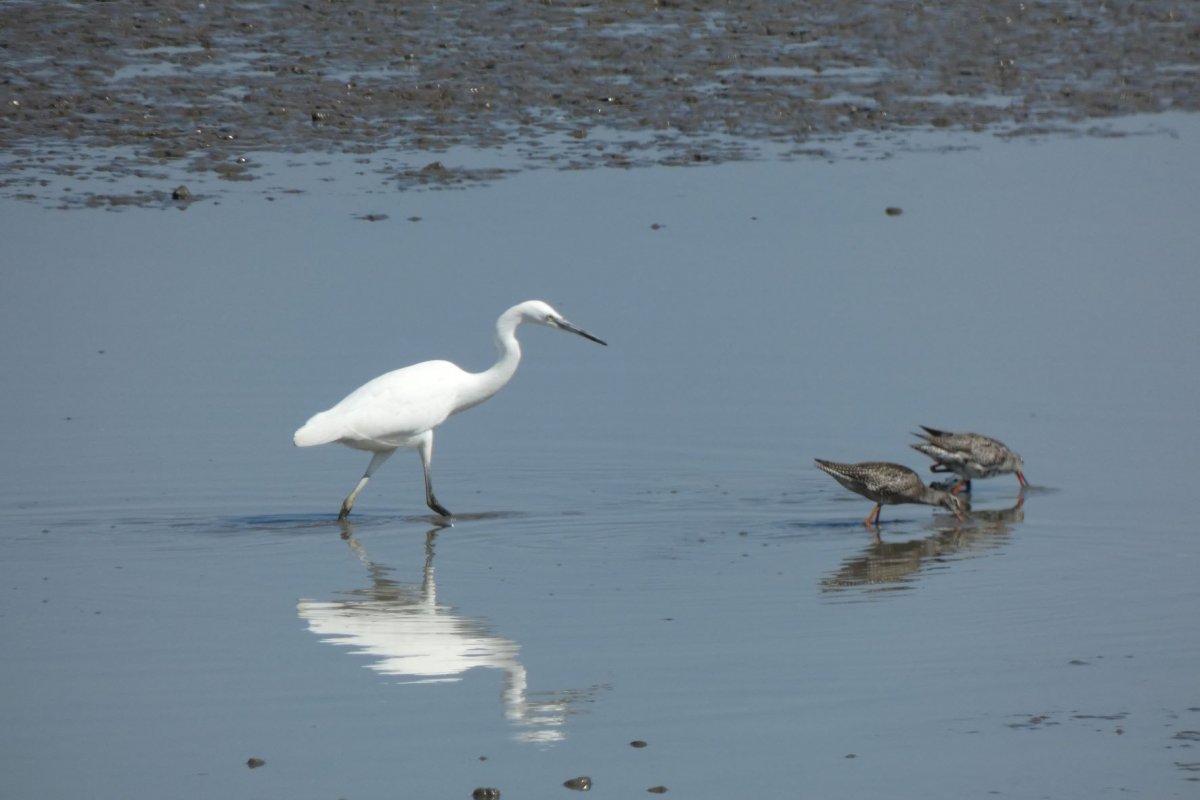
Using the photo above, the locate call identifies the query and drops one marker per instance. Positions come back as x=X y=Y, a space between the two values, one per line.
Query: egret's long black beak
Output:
x=566 y=326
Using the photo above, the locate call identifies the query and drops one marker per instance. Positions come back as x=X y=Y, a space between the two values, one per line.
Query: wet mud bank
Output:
x=95 y=92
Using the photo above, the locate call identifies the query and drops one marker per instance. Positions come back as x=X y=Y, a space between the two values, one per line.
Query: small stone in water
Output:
x=581 y=784
x=485 y=793
x=637 y=743
x=255 y=763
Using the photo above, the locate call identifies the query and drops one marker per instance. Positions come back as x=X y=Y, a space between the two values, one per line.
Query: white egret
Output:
x=401 y=408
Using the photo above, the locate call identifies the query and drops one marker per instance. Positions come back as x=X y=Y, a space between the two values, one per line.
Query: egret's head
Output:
x=538 y=312
x=544 y=314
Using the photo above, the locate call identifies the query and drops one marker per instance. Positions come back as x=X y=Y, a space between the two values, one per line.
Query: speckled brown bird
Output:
x=890 y=484
x=969 y=455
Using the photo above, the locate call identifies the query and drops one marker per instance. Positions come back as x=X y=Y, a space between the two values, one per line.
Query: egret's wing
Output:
x=401 y=404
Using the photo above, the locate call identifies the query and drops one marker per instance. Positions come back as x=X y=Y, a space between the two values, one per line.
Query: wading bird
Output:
x=889 y=484
x=969 y=455
x=401 y=408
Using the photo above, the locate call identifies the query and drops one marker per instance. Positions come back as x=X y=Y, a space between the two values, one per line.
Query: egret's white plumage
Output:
x=401 y=408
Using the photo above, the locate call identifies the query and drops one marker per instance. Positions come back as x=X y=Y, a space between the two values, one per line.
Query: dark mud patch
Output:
x=146 y=90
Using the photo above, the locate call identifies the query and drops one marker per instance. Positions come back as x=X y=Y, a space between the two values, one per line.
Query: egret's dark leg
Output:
x=425 y=449
x=376 y=459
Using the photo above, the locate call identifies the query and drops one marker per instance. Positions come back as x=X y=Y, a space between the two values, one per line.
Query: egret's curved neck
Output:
x=485 y=384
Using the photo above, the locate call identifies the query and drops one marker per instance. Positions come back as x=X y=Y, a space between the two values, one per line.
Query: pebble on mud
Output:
x=254 y=763
x=181 y=193
x=581 y=784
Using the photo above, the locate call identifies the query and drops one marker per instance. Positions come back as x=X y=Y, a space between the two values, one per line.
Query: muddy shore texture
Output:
x=99 y=91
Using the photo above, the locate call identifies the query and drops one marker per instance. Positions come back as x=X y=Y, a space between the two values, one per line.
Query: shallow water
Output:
x=645 y=550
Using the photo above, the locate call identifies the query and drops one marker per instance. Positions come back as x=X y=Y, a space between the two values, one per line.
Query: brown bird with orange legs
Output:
x=890 y=484
x=969 y=455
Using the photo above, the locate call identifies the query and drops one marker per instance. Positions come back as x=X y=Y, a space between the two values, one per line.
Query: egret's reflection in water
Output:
x=407 y=633
x=895 y=565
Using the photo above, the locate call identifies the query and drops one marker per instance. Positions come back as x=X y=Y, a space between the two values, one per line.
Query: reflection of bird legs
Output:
x=348 y=535
x=427 y=584
x=428 y=587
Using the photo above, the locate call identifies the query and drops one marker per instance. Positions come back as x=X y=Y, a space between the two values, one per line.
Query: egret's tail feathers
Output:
x=318 y=430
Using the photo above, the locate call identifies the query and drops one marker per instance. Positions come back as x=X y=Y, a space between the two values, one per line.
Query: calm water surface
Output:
x=646 y=551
